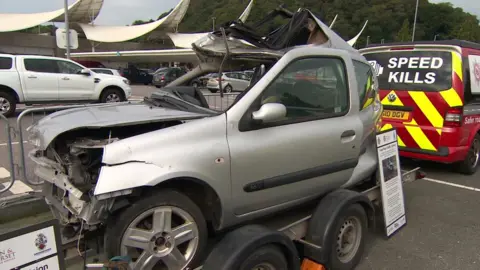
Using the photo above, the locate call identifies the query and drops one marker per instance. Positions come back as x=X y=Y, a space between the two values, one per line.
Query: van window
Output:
x=5 y=63
x=413 y=70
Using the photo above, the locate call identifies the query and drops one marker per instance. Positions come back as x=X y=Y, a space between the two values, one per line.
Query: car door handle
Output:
x=65 y=78
x=32 y=77
x=348 y=133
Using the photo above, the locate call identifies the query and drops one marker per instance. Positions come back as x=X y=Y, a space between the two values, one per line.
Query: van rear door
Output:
x=419 y=89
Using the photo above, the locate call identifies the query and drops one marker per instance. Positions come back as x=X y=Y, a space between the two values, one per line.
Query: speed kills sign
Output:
x=425 y=63
x=413 y=70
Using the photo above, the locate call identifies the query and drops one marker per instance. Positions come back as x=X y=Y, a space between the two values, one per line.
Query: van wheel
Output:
x=164 y=231
x=470 y=164
x=8 y=104
x=111 y=95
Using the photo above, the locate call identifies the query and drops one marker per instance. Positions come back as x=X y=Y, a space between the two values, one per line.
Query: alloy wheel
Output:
x=164 y=238
x=112 y=97
x=475 y=153
x=4 y=105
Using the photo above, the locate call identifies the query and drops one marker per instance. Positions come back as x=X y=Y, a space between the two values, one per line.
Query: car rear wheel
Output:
x=470 y=164
x=228 y=89
x=165 y=231
x=8 y=104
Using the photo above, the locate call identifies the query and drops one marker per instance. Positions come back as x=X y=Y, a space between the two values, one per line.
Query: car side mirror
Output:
x=85 y=72
x=270 y=112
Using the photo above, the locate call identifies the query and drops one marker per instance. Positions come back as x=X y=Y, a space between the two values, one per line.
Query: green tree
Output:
x=404 y=34
x=468 y=29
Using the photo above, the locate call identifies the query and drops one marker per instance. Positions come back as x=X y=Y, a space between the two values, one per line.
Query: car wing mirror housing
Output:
x=270 y=112
x=85 y=71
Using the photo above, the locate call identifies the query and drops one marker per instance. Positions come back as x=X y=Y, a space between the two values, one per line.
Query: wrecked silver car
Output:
x=154 y=175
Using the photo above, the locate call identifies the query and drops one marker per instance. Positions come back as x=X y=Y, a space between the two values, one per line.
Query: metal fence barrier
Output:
x=216 y=102
x=10 y=154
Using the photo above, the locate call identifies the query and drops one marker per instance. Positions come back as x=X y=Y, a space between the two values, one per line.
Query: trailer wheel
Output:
x=268 y=257
x=349 y=238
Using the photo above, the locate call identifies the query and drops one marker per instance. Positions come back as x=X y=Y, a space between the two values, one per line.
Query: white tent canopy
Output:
x=185 y=40
x=80 y=11
x=123 y=33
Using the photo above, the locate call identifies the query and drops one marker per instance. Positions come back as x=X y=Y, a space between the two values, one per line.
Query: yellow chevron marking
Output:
x=399 y=140
x=428 y=109
x=452 y=98
x=368 y=103
x=457 y=64
x=420 y=138
x=397 y=101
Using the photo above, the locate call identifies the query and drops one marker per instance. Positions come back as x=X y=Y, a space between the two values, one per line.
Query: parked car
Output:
x=249 y=73
x=231 y=81
x=109 y=71
x=136 y=75
x=29 y=79
x=152 y=175
x=165 y=76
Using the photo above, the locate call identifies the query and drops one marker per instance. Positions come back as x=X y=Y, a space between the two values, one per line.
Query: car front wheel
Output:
x=111 y=95
x=163 y=231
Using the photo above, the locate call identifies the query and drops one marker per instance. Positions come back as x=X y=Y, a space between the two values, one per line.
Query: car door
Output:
x=72 y=85
x=312 y=150
x=40 y=79
x=243 y=81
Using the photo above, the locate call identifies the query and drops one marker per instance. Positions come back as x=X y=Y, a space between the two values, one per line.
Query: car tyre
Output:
x=195 y=84
x=267 y=257
x=111 y=95
x=469 y=165
x=213 y=90
x=353 y=219
x=158 y=86
x=228 y=88
x=8 y=104
x=159 y=240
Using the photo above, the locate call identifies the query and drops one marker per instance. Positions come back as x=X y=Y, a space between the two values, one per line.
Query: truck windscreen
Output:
x=413 y=70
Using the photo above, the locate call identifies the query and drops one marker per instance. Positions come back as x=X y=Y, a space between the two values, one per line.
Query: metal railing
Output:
x=10 y=154
x=216 y=102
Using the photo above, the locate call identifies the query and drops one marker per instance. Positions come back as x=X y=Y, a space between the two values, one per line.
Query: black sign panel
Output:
x=413 y=70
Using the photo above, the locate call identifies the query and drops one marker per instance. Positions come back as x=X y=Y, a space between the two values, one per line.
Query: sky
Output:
x=123 y=12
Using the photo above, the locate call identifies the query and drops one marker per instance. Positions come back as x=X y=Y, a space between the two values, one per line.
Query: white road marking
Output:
x=18 y=187
x=451 y=184
x=13 y=143
x=4 y=173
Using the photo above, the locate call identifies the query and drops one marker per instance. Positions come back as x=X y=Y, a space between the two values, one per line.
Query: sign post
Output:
x=391 y=181
x=35 y=247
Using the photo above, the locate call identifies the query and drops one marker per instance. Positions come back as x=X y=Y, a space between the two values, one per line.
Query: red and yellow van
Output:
x=430 y=93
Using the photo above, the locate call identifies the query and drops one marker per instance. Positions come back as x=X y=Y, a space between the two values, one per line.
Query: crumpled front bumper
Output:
x=68 y=204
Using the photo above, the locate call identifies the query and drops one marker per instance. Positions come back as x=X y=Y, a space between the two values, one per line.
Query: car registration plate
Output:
x=396 y=115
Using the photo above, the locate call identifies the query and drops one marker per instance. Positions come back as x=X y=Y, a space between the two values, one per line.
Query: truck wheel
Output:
x=163 y=231
x=470 y=164
x=111 y=95
x=268 y=257
x=349 y=238
x=8 y=104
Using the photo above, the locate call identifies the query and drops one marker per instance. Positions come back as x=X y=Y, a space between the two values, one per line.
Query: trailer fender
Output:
x=321 y=225
x=237 y=245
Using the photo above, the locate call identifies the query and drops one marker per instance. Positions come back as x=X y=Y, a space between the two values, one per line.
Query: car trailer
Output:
x=329 y=234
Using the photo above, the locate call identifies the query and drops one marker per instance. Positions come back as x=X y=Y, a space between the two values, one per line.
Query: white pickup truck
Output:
x=29 y=79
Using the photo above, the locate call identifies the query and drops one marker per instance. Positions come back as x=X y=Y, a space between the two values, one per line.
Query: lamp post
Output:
x=213 y=23
x=415 y=22
x=67 y=28
x=435 y=37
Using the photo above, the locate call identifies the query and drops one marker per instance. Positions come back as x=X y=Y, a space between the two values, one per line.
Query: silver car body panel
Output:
x=213 y=150
x=52 y=125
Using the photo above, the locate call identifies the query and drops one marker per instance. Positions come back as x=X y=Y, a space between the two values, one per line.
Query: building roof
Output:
x=80 y=11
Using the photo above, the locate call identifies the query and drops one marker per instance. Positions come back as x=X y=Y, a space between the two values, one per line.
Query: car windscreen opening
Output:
x=413 y=70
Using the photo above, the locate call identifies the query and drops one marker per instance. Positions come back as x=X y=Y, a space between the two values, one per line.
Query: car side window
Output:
x=306 y=94
x=68 y=67
x=6 y=62
x=41 y=65
x=365 y=82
